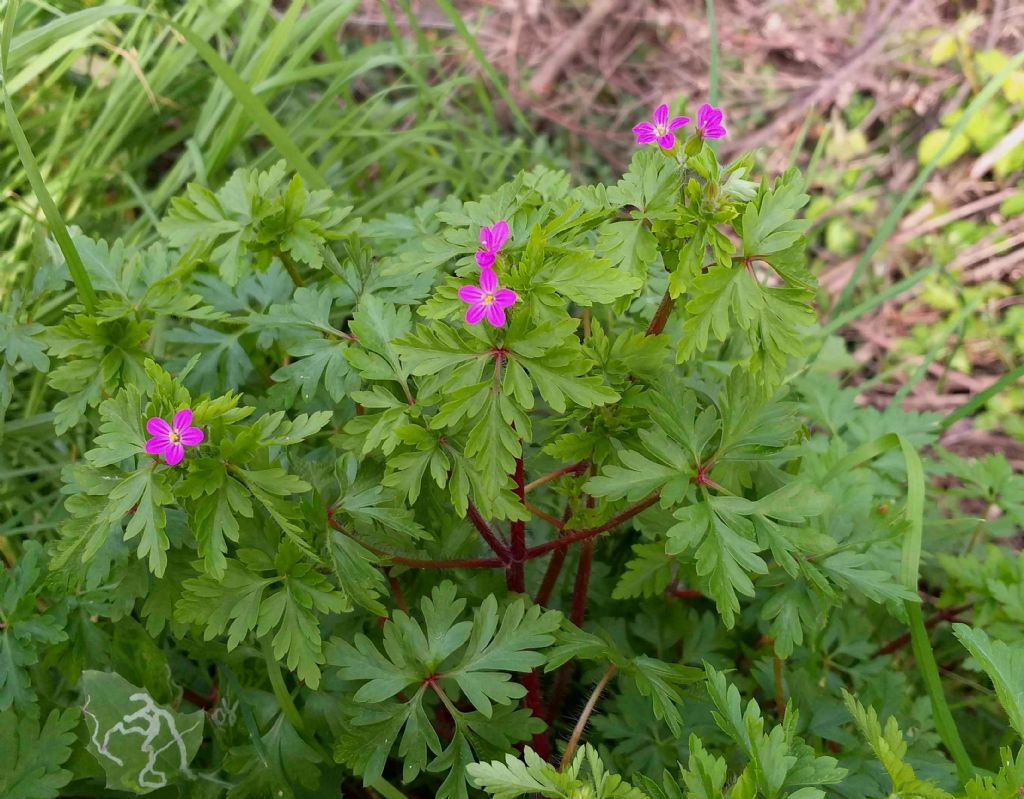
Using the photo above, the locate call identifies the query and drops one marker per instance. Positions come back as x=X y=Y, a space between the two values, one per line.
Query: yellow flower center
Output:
x=174 y=436
x=661 y=130
x=488 y=299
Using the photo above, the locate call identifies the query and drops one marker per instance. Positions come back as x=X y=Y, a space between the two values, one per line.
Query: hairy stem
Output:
x=487 y=533
x=515 y=574
x=581 y=722
x=554 y=569
x=660 y=316
x=289 y=265
x=572 y=536
x=420 y=563
x=780 y=696
x=946 y=614
x=573 y=468
x=535 y=704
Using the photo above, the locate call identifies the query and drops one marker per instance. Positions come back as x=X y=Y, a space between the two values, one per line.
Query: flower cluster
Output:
x=661 y=129
x=488 y=300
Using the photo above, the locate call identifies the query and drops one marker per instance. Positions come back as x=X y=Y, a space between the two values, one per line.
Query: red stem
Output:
x=684 y=593
x=660 y=316
x=493 y=541
x=554 y=569
x=396 y=589
x=515 y=574
x=946 y=614
x=584 y=533
x=535 y=703
x=579 y=591
x=496 y=563
x=573 y=468
x=420 y=563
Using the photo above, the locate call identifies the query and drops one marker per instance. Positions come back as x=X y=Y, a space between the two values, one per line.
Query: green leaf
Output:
x=1005 y=667
x=586 y=280
x=143 y=495
x=630 y=246
x=219 y=500
x=772 y=319
x=725 y=553
x=141 y=746
x=647 y=574
x=494 y=649
x=891 y=749
x=34 y=754
x=769 y=221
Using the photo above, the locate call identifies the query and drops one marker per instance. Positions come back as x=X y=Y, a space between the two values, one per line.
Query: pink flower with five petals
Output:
x=660 y=128
x=709 y=122
x=488 y=300
x=171 y=439
x=491 y=239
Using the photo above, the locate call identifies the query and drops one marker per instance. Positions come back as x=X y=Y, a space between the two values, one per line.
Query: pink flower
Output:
x=487 y=299
x=709 y=122
x=171 y=439
x=491 y=238
x=660 y=130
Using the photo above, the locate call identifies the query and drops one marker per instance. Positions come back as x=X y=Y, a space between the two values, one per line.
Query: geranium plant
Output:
x=545 y=492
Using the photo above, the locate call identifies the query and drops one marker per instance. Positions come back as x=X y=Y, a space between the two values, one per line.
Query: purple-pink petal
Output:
x=182 y=419
x=174 y=454
x=486 y=238
x=488 y=280
x=475 y=312
x=667 y=141
x=191 y=436
x=471 y=294
x=505 y=297
x=156 y=426
x=499 y=235
x=677 y=122
x=157 y=445
x=484 y=259
x=645 y=132
x=661 y=114
x=495 y=314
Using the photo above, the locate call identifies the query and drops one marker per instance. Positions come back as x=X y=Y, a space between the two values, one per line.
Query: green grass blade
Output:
x=253 y=107
x=933 y=353
x=875 y=300
x=712 y=53
x=979 y=399
x=919 y=640
x=471 y=42
x=86 y=293
x=894 y=216
x=910 y=563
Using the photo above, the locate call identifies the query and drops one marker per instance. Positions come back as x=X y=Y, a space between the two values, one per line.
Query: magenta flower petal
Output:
x=499 y=235
x=191 y=436
x=475 y=312
x=182 y=419
x=471 y=294
x=484 y=259
x=156 y=426
x=709 y=122
x=667 y=141
x=488 y=281
x=157 y=445
x=495 y=314
x=505 y=297
x=645 y=133
x=661 y=115
x=677 y=122
x=486 y=238
x=174 y=454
